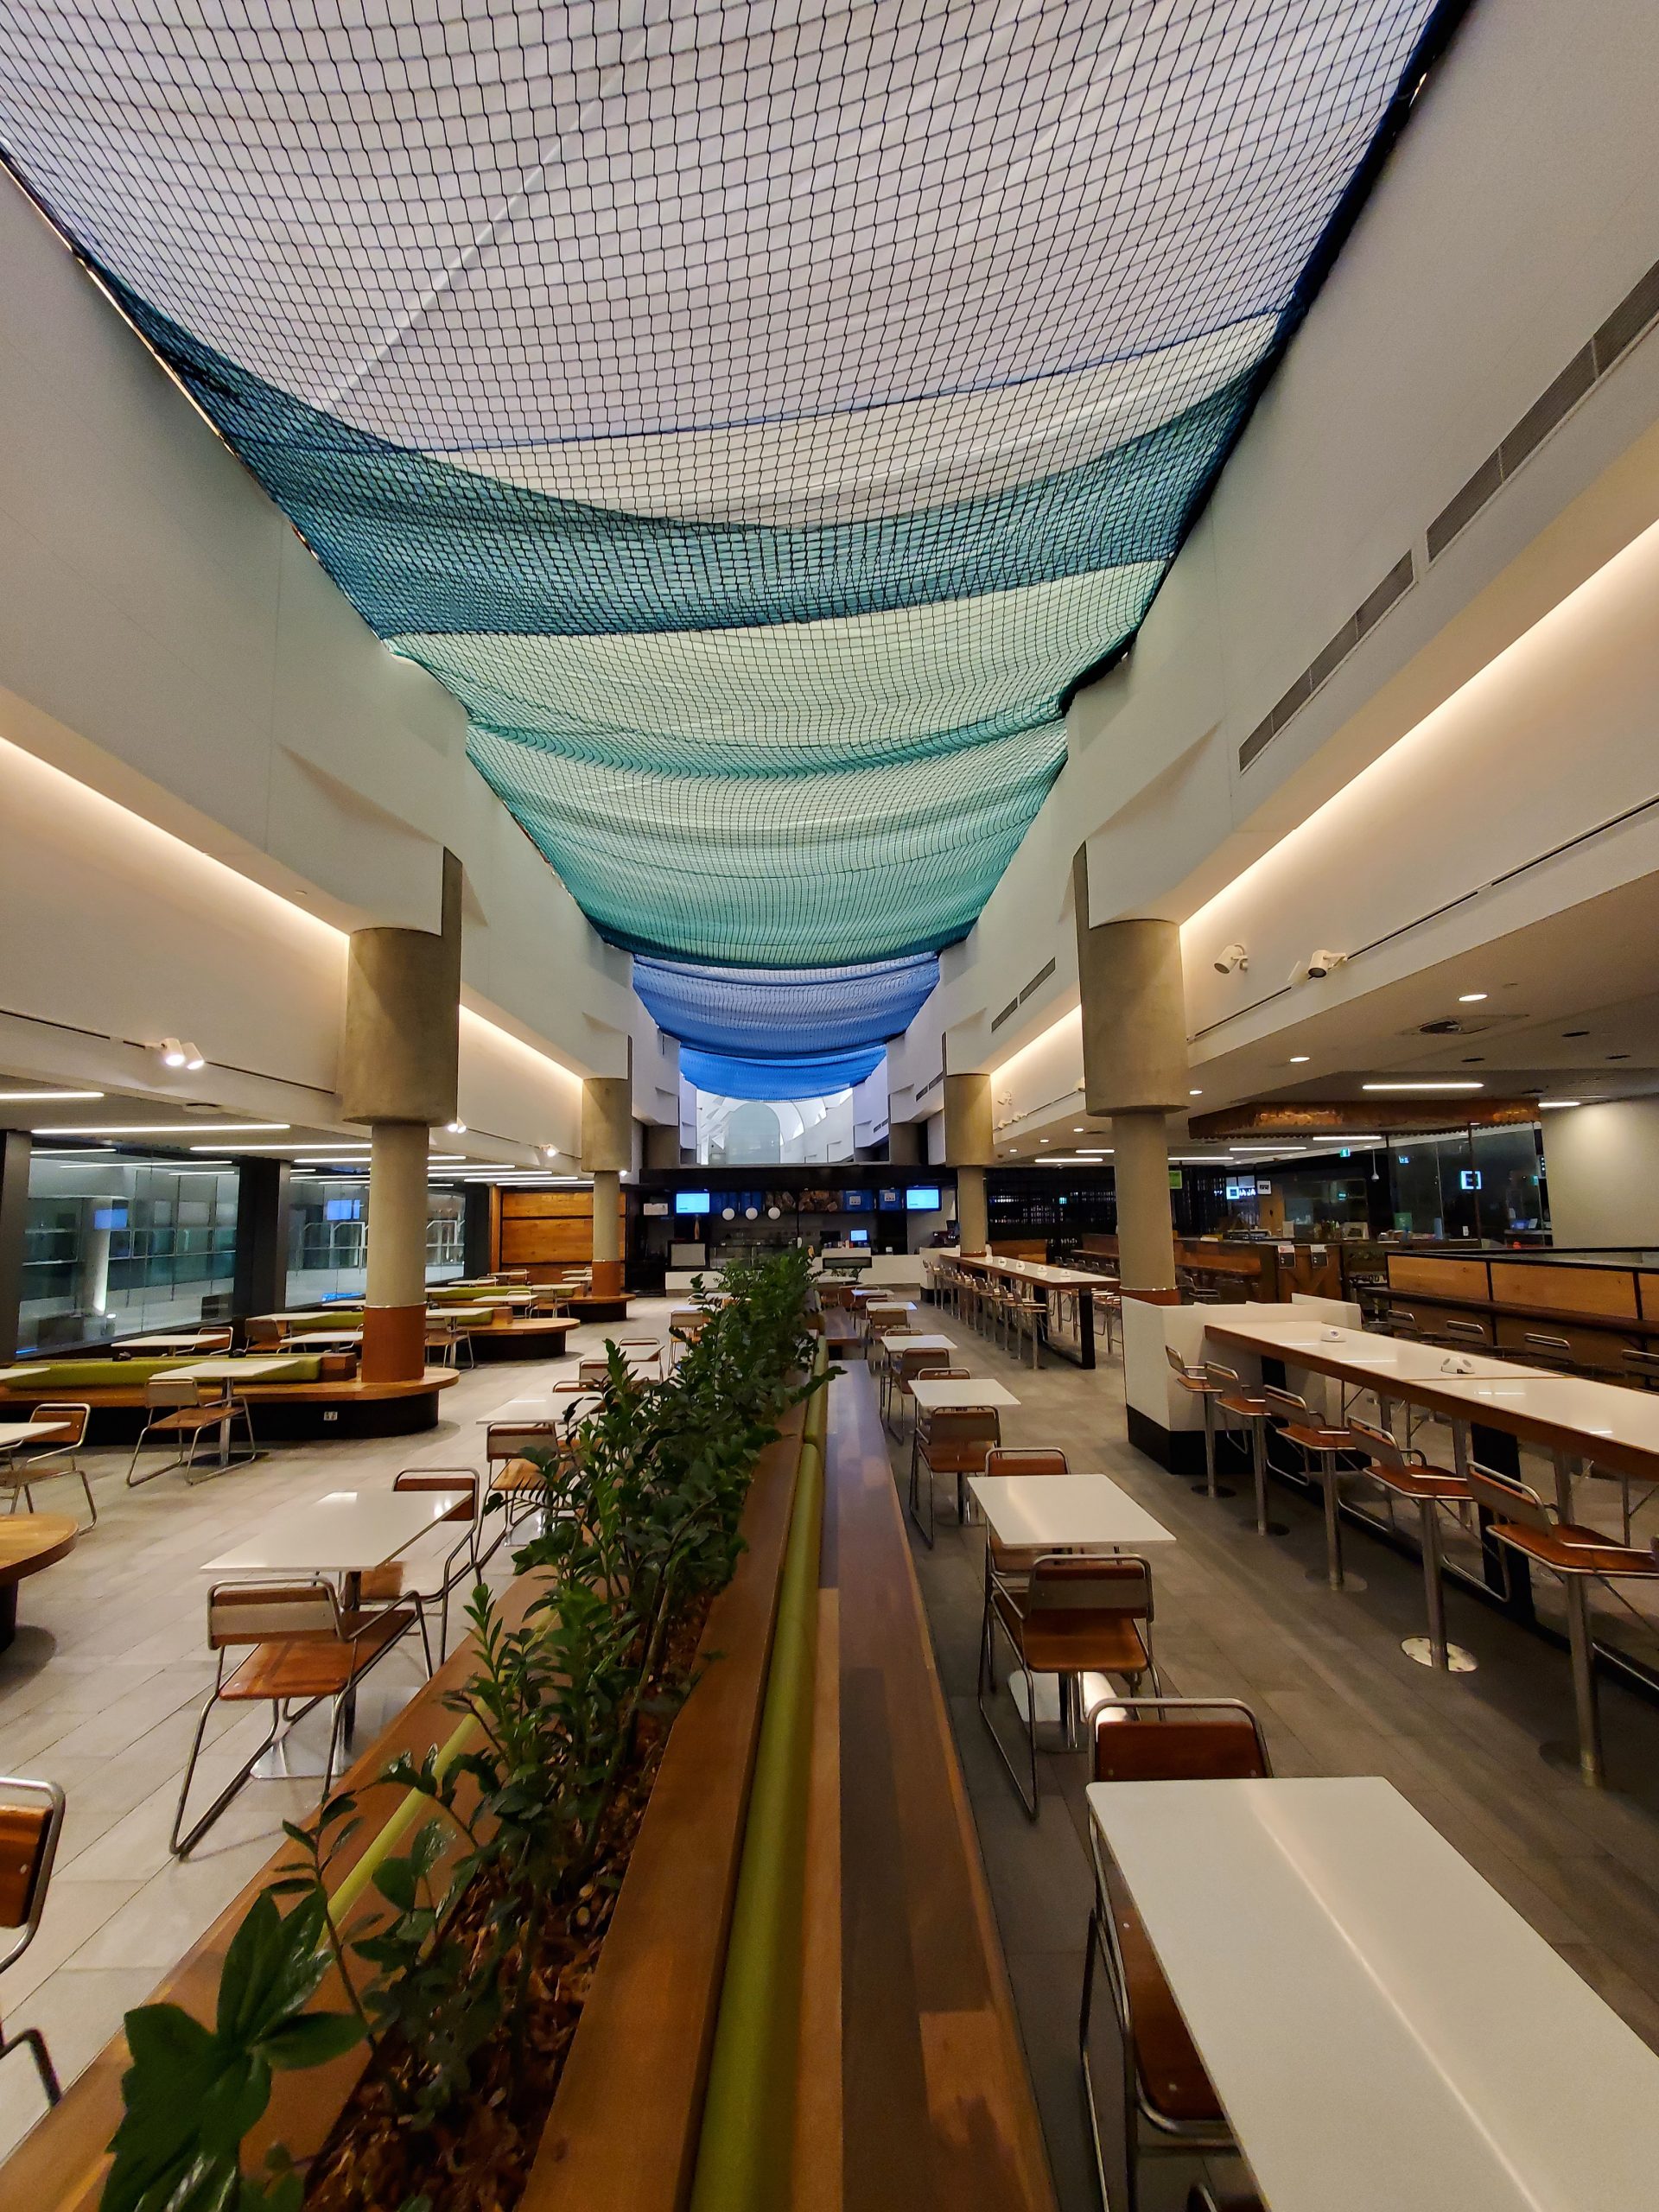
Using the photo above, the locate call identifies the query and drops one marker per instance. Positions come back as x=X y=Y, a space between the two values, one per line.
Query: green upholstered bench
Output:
x=37 y=1375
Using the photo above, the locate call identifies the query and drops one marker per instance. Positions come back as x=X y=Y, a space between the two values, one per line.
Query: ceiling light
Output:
x=1078 y=1131
x=314 y=1146
x=1300 y=1059
x=1558 y=1102
x=1470 y=998
x=30 y=1097
x=456 y=1128
x=164 y=1129
x=194 y=1058
x=1422 y=1086
x=171 y=1053
x=1231 y=956
x=1195 y=1094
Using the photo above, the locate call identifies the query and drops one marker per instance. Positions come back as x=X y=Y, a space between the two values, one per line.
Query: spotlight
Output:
x=1232 y=955
x=194 y=1058
x=172 y=1052
x=456 y=1128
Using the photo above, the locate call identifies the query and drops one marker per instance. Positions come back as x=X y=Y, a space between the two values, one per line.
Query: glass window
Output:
x=328 y=1237
x=115 y=1245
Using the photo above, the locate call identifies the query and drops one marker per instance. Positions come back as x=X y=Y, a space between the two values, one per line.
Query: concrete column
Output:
x=661 y=1144
x=399 y=1069
x=970 y=1148
x=905 y=1143
x=259 y=1278
x=607 y=1149
x=1134 y=1068
x=15 y=1149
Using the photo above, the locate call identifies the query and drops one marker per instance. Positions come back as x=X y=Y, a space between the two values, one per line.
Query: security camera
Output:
x=1233 y=956
x=1315 y=965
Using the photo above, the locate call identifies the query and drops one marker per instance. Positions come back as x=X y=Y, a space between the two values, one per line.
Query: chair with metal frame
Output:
x=29 y=1844
x=1169 y=2106
x=1019 y=1461
x=1202 y=2198
x=1196 y=1379
x=387 y=1584
x=891 y=1358
x=1314 y=1440
x=1541 y=1348
x=1405 y=1472
x=1246 y=1402
x=642 y=1354
x=1575 y=1555
x=25 y=1465
x=1070 y=1615
x=177 y=1405
x=449 y=1339
x=302 y=1645
x=950 y=1441
x=523 y=1487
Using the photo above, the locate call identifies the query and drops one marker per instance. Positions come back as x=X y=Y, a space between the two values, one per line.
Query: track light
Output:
x=456 y=1128
x=175 y=1054
x=1231 y=956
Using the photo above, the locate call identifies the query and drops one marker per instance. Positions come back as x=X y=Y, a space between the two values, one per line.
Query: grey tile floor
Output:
x=1237 y=1616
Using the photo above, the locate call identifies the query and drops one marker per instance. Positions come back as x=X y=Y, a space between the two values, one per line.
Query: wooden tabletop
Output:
x=29 y=1541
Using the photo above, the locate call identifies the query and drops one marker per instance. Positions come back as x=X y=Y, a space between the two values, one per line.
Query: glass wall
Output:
x=777 y=1132
x=115 y=1245
x=328 y=1237
x=1484 y=1183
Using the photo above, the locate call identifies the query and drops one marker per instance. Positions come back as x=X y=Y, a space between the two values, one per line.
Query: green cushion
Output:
x=289 y=1367
x=132 y=1374
x=344 y=1317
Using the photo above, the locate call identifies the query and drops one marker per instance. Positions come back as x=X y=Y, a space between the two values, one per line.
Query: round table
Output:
x=28 y=1541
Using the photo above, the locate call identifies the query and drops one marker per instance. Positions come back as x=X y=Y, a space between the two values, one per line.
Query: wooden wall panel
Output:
x=1556 y=1289
x=1428 y=1275
x=547 y=1227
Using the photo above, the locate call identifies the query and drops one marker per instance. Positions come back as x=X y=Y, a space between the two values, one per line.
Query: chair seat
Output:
x=1318 y=1440
x=1569 y=1549
x=189 y=1421
x=1419 y=1482
x=516 y=1477
x=319 y=1667
x=1247 y=1408
x=956 y=1459
x=1172 y=2074
x=1075 y=1640
x=1199 y=1388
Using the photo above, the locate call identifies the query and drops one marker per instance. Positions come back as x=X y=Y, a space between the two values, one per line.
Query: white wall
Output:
x=1602 y=1165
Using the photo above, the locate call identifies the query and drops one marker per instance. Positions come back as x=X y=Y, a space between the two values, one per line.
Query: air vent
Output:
x=1634 y=314
x=997 y=1019
x=1325 y=664
x=932 y=1084
x=1036 y=981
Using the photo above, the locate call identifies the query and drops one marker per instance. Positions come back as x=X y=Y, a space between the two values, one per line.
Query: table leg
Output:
x=1564 y=1464
x=1086 y=1328
x=8 y=1613
x=1584 y=1682
x=351 y=1596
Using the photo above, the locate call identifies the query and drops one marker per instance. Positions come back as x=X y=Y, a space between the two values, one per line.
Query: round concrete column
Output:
x=1134 y=1068
x=607 y=1149
x=399 y=1068
x=970 y=1148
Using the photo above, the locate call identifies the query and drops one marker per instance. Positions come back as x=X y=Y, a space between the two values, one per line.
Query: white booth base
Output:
x=1166 y=1421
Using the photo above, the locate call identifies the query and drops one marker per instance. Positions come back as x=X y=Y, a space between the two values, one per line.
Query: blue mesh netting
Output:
x=803 y=1078
x=759 y=1015
x=759 y=416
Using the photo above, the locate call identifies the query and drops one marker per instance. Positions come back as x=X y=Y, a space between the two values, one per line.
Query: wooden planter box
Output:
x=623 y=2130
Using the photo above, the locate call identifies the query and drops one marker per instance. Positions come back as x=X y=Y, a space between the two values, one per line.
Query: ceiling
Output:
x=759 y=416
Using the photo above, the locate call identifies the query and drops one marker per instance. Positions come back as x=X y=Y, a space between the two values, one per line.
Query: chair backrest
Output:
x=462 y=1480
x=1472 y=1331
x=1508 y=1497
x=1063 y=1583
x=1644 y=1362
x=1285 y=1404
x=31 y=1817
x=264 y=1331
x=1026 y=1459
x=946 y=1375
x=1540 y=1340
x=1175 y=1360
x=516 y=1439
x=173 y=1390
x=74 y=1418
x=592 y=1369
x=1215 y=1372
x=955 y=1426
x=270 y=1612
x=1179 y=1739
x=1379 y=1443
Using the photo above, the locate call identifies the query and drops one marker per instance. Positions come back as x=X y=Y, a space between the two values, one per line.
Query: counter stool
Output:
x=31 y=1819
x=1315 y=1441
x=1406 y=1473
x=1197 y=1382
x=1025 y=1313
x=1108 y=1309
x=1575 y=1555
x=1546 y=1351
x=1242 y=1402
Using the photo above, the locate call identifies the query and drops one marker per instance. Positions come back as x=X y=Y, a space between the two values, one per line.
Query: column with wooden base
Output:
x=969 y=1149
x=399 y=1073
x=607 y=1150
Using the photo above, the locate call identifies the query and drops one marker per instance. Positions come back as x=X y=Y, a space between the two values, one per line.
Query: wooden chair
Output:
x=28 y=1464
x=642 y=1354
x=1014 y=1561
x=1167 y=2104
x=1404 y=1472
x=1314 y=1440
x=1069 y=1616
x=515 y=1479
x=387 y=1584
x=303 y=1646
x=1023 y=1316
x=178 y=1405
x=31 y=1819
x=1576 y=1556
x=896 y=1366
x=266 y=1332
x=448 y=1340
x=953 y=1441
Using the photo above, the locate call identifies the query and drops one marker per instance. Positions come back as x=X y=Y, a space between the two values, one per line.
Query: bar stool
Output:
x=1575 y=1555
x=1546 y=1351
x=1195 y=1382
x=1314 y=1440
x=1251 y=1407
x=1026 y=1311
x=1406 y=1473
x=1108 y=1308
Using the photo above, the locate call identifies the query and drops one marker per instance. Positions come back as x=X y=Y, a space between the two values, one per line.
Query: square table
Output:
x=1064 y=1513
x=972 y=1390
x=1383 y=2030
x=527 y=1410
x=231 y=1370
x=922 y=1341
x=170 y=1340
x=339 y=1339
x=13 y=1433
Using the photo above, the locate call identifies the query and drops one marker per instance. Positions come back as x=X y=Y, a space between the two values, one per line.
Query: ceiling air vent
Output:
x=1325 y=664
x=1038 y=979
x=997 y=1019
x=1632 y=316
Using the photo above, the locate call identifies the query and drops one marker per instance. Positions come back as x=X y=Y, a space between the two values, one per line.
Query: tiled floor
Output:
x=1238 y=1616
x=101 y=1692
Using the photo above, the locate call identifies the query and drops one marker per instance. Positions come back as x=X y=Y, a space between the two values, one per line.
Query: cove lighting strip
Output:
x=46 y=1097
x=1422 y=1086
x=167 y=1130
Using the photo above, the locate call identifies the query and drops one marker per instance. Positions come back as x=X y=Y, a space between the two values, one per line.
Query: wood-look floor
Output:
x=1237 y=1616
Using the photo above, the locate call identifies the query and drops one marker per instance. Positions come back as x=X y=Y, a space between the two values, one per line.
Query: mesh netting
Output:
x=759 y=415
x=727 y=1077
x=760 y=1015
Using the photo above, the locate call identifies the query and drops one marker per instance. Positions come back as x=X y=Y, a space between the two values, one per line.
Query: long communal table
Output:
x=1048 y=1280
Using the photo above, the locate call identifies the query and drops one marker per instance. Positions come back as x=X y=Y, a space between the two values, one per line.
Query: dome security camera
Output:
x=1232 y=955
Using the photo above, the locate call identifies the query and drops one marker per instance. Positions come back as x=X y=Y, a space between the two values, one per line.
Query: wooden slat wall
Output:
x=546 y=1227
x=1607 y=1292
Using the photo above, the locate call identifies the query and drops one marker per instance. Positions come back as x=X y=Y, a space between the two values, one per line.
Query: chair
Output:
x=1169 y=2103
x=1404 y=1472
x=886 y=1357
x=1315 y=1441
x=1013 y=1561
x=1024 y=1314
x=177 y=1405
x=266 y=1332
x=302 y=1644
x=1545 y=1350
x=51 y=1457
x=1240 y=1402
x=448 y=1340
x=1070 y=1615
x=1195 y=1381
x=1108 y=1308
x=29 y=1844
x=1575 y=1555
x=953 y=1441
x=515 y=1479
x=385 y=1584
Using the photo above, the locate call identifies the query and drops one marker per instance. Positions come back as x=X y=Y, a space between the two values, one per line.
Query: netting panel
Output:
x=759 y=1015
x=726 y=1077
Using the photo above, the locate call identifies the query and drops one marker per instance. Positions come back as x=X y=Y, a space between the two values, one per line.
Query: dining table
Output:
x=1070 y=1512
x=1077 y=1283
x=935 y=1396
x=1383 y=2032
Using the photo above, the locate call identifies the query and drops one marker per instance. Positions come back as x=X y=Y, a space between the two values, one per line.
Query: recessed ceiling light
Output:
x=1300 y=1059
x=1422 y=1086
x=1558 y=1102
x=33 y=1097
x=1470 y=998
x=1195 y=1094
x=1078 y=1129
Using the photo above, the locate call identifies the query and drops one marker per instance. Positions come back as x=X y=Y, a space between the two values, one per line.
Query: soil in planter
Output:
x=477 y=2156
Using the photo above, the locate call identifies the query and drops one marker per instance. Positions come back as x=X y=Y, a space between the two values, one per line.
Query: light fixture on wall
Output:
x=174 y=1053
x=1232 y=956
x=1470 y=998
x=1300 y=1059
x=1318 y=965
x=456 y=1128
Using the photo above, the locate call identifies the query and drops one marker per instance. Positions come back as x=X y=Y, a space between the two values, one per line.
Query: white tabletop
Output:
x=1052 y=1278
x=1582 y=1414
x=921 y=1342
x=518 y=1411
x=1357 y=1351
x=303 y=1337
x=1038 y=1511
x=973 y=1390
x=237 y=1370
x=1384 y=2033
x=32 y=1432
x=889 y=1305
x=341 y=1534
x=175 y=1340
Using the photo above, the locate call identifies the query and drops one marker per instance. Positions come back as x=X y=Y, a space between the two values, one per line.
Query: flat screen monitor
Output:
x=856 y=1202
x=923 y=1197
x=342 y=1208
x=858 y=1236
x=109 y=1217
x=693 y=1202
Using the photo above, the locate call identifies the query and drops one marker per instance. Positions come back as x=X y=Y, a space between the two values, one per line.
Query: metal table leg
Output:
x=1590 y=1771
x=1433 y=1649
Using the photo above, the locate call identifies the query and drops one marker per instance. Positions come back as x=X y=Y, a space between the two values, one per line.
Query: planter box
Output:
x=624 y=2125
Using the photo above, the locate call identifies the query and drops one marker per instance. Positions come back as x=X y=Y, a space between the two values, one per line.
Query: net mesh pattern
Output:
x=759 y=414
x=759 y=1015
x=730 y=1077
